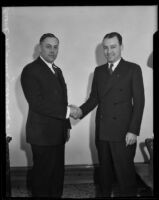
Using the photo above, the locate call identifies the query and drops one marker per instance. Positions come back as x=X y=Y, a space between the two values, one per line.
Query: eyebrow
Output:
x=110 y=45
x=48 y=44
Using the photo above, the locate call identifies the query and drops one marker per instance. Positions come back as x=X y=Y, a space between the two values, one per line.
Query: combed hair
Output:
x=46 y=35
x=114 y=34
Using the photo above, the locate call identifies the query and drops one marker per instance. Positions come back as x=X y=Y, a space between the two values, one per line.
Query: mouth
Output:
x=52 y=56
x=109 y=57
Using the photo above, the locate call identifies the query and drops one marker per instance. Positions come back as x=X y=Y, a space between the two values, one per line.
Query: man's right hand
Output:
x=75 y=112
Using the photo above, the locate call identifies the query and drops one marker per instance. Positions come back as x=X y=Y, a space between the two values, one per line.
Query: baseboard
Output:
x=73 y=173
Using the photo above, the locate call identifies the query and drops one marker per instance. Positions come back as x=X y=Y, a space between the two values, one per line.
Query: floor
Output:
x=82 y=187
x=146 y=174
x=85 y=190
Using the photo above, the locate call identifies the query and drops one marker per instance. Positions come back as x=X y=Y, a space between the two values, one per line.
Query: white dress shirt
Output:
x=114 y=64
x=48 y=64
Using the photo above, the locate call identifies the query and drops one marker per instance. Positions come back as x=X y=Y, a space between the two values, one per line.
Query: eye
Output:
x=48 y=46
x=113 y=47
x=55 y=47
x=105 y=48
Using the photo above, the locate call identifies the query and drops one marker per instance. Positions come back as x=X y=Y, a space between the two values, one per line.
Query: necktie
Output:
x=54 y=69
x=110 y=68
x=57 y=74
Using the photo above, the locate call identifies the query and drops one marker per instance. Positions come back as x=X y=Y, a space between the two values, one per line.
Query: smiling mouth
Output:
x=109 y=57
x=52 y=56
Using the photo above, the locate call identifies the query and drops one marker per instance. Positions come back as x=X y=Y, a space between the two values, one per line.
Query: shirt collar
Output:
x=48 y=64
x=115 y=64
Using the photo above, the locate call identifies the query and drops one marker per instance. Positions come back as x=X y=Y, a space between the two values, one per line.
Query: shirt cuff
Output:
x=68 y=112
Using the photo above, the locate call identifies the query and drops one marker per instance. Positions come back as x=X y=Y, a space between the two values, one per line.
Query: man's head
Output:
x=112 y=45
x=49 y=45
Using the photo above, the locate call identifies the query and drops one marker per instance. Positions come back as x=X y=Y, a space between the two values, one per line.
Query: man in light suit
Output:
x=48 y=125
x=118 y=92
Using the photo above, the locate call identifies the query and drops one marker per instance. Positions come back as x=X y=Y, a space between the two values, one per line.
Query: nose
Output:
x=52 y=50
x=109 y=50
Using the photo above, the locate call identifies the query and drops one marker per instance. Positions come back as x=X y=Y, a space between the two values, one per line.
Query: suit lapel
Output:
x=115 y=77
x=62 y=82
x=50 y=75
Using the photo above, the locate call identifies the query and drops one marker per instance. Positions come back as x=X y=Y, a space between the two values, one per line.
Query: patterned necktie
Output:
x=55 y=70
x=110 y=68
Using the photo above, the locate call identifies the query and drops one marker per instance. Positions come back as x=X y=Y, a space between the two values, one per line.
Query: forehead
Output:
x=51 y=41
x=110 y=41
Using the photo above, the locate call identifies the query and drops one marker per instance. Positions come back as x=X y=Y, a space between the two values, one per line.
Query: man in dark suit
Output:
x=119 y=93
x=48 y=125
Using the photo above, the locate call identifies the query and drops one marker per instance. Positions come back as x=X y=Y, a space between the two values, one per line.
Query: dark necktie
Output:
x=57 y=74
x=55 y=70
x=110 y=68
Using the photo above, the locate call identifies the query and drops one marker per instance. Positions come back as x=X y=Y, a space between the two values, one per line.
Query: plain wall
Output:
x=80 y=31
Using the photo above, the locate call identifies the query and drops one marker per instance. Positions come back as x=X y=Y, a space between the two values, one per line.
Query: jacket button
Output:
x=114 y=118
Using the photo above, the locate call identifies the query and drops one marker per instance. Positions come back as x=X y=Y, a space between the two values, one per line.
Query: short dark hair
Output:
x=114 y=34
x=46 y=35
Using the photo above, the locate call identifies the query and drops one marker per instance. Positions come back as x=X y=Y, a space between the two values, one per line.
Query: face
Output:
x=49 y=49
x=112 y=49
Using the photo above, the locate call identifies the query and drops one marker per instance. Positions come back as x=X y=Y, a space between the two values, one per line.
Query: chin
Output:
x=110 y=60
x=50 y=60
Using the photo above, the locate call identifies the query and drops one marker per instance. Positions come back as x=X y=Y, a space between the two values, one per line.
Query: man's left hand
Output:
x=131 y=138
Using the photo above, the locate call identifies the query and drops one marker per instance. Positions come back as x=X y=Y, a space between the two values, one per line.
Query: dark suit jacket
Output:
x=120 y=99
x=47 y=99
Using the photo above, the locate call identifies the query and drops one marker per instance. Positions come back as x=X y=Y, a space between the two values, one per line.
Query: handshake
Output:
x=75 y=112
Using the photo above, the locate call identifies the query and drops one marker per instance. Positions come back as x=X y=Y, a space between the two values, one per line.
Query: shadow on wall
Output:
x=142 y=145
x=23 y=107
x=36 y=52
x=100 y=60
x=92 y=146
x=99 y=54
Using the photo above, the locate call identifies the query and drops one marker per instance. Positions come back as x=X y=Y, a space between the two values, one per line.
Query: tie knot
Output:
x=110 y=68
x=55 y=70
x=53 y=66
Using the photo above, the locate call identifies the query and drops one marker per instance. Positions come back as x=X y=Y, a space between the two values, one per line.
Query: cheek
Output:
x=105 y=52
x=116 y=52
x=56 y=51
x=47 y=52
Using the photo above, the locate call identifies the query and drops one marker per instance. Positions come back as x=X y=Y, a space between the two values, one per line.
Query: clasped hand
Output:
x=75 y=112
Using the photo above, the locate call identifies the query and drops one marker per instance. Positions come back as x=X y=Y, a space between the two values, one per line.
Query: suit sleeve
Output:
x=68 y=123
x=93 y=99
x=138 y=101
x=37 y=102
